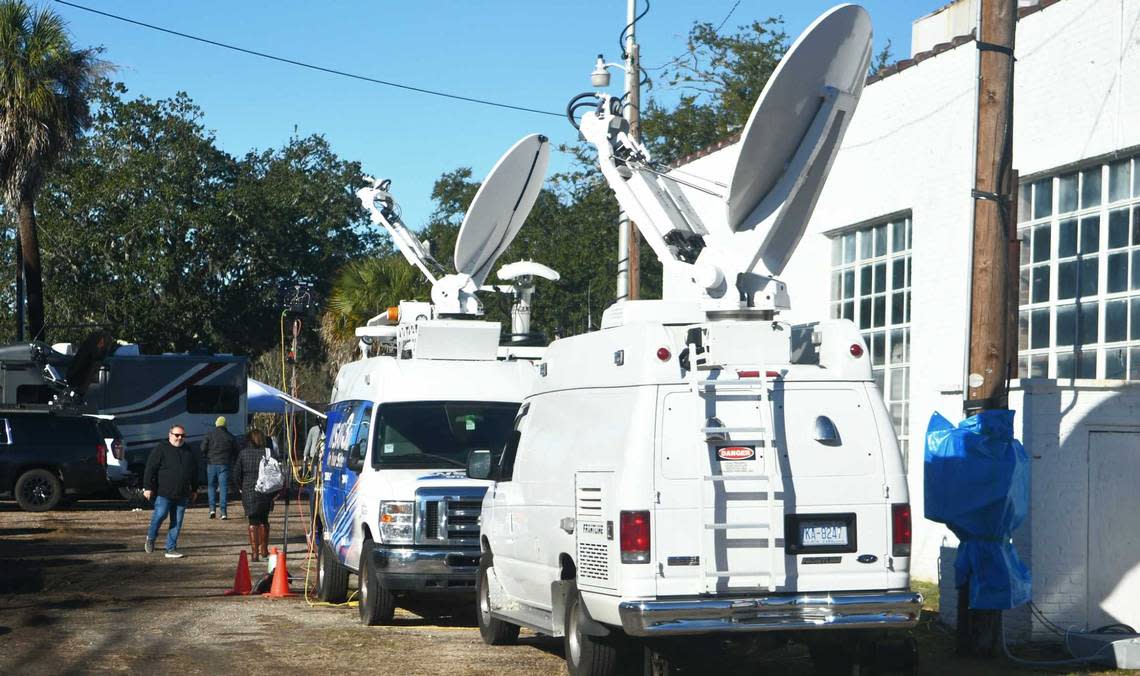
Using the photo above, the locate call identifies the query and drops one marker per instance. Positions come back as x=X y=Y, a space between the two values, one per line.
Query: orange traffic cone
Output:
x=280 y=588
x=242 y=584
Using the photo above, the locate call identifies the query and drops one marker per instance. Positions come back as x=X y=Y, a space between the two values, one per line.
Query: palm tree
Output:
x=44 y=86
x=361 y=291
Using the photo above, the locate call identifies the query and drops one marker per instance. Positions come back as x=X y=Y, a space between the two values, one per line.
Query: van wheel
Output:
x=377 y=605
x=834 y=660
x=586 y=655
x=494 y=631
x=332 y=577
x=38 y=490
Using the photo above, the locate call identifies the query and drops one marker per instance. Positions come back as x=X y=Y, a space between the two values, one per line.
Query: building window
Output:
x=870 y=285
x=1079 y=294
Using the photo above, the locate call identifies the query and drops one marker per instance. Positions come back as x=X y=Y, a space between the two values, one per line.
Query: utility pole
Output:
x=629 y=250
x=992 y=348
x=991 y=296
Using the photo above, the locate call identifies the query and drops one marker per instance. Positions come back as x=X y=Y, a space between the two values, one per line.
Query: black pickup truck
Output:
x=46 y=455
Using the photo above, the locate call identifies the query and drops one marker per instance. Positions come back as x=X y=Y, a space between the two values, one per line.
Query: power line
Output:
x=310 y=66
x=726 y=16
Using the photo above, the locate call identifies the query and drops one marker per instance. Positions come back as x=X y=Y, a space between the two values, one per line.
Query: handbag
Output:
x=269 y=477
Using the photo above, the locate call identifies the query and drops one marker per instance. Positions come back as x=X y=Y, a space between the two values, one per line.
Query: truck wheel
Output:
x=332 y=577
x=834 y=660
x=494 y=631
x=586 y=655
x=38 y=490
x=377 y=605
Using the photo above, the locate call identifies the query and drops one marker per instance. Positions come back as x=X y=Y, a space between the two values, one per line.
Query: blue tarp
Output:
x=262 y=398
x=977 y=483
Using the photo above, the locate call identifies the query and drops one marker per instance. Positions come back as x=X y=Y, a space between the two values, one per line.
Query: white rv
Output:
x=698 y=469
x=395 y=505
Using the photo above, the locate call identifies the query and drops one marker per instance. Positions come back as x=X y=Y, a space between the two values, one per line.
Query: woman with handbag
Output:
x=257 y=505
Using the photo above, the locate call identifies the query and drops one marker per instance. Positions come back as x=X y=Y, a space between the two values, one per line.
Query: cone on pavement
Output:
x=280 y=588
x=242 y=584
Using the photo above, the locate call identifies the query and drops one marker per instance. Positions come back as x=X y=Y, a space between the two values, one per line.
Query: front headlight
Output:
x=396 y=522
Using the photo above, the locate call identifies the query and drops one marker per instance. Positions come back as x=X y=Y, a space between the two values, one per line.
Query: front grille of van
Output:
x=449 y=516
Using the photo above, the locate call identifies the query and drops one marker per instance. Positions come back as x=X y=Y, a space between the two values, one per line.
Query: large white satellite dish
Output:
x=501 y=206
x=833 y=53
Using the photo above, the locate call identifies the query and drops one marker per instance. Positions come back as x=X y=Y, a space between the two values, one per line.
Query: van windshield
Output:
x=439 y=434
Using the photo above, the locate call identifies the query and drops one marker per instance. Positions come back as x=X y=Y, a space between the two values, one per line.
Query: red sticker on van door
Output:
x=736 y=452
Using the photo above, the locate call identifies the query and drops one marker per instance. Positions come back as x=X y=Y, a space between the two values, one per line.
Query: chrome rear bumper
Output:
x=793 y=612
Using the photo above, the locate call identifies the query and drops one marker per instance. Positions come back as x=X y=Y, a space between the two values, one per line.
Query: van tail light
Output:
x=635 y=537
x=117 y=448
x=900 y=530
x=101 y=453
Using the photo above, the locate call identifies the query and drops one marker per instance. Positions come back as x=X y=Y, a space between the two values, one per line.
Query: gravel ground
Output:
x=78 y=595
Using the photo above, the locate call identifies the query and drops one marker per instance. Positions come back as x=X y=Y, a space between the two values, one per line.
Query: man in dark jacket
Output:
x=220 y=449
x=171 y=478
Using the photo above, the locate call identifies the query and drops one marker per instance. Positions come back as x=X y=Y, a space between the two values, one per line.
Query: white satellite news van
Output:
x=699 y=470
x=395 y=505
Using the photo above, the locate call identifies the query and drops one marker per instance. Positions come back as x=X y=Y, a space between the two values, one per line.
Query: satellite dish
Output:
x=501 y=206
x=832 y=54
x=512 y=271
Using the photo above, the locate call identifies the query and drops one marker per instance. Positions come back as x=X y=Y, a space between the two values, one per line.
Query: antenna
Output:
x=521 y=274
x=499 y=209
x=733 y=254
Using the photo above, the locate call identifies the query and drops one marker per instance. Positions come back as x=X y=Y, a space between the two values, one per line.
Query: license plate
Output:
x=823 y=533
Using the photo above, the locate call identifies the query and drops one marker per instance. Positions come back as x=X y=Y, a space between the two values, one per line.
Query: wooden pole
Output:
x=992 y=299
x=634 y=131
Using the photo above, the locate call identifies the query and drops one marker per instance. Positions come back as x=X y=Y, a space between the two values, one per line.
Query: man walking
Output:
x=171 y=478
x=220 y=449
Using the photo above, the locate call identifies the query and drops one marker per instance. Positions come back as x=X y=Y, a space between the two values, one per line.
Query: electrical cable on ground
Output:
x=302 y=64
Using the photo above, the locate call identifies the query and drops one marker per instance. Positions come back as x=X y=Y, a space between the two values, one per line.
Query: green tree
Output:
x=44 y=87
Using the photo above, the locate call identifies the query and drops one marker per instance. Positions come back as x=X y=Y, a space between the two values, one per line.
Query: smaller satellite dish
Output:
x=501 y=206
x=832 y=53
x=518 y=269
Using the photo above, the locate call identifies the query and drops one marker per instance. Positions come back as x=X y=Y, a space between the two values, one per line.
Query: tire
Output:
x=332 y=577
x=493 y=631
x=834 y=660
x=377 y=605
x=586 y=655
x=38 y=490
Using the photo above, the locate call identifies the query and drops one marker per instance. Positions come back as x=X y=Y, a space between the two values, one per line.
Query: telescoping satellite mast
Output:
x=496 y=214
x=732 y=255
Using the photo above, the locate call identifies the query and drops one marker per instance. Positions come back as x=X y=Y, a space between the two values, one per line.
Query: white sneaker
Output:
x=149 y=546
x=174 y=554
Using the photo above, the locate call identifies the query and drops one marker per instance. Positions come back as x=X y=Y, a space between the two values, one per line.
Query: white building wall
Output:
x=910 y=148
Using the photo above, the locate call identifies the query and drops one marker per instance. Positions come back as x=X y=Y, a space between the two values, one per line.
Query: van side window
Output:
x=212 y=399
x=359 y=447
x=507 y=460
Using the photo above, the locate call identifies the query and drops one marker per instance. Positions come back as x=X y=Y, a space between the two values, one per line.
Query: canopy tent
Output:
x=262 y=398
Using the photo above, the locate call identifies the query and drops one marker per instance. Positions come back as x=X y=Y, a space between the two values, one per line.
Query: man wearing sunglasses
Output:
x=171 y=478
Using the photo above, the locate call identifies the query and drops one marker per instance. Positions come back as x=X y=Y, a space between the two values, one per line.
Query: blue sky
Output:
x=527 y=53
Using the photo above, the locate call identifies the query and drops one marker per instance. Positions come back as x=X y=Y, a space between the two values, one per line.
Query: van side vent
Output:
x=593 y=561
x=589 y=502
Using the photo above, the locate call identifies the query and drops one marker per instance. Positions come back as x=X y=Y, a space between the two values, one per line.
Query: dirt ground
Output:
x=79 y=595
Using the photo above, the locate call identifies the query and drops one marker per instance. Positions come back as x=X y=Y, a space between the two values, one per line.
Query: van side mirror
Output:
x=355 y=459
x=479 y=464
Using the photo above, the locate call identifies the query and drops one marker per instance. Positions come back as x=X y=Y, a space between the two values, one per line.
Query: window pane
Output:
x=1117 y=228
x=1023 y=330
x=897 y=348
x=1089 y=270
x=898 y=273
x=1136 y=220
x=1135 y=279
x=899 y=384
x=1040 y=284
x=1039 y=328
x=880 y=318
x=866 y=244
x=1118 y=181
x=880 y=277
x=1115 y=363
x=1090 y=188
x=1066 y=280
x=865 y=280
x=1134 y=363
x=1023 y=287
x=1090 y=234
x=1067 y=194
x=1066 y=324
x=1115 y=320
x=1067 y=239
x=837 y=251
x=878 y=375
x=878 y=348
x=865 y=313
x=836 y=310
x=849 y=248
x=1043 y=198
x=848 y=283
x=849 y=310
x=1134 y=334
x=1117 y=272
x=1041 y=243
x=906 y=345
x=908 y=270
x=1088 y=323
x=880 y=240
x=1136 y=180
x=897 y=307
x=1065 y=365
x=898 y=235
x=1086 y=364
x=1025 y=248
x=1024 y=193
x=1039 y=366
x=836 y=286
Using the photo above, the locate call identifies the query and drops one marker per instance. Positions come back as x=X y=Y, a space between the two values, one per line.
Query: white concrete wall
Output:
x=910 y=148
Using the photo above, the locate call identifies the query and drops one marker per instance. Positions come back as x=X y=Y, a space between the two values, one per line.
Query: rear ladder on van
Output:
x=750 y=488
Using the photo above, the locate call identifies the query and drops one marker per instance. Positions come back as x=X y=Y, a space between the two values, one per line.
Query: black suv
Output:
x=45 y=455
